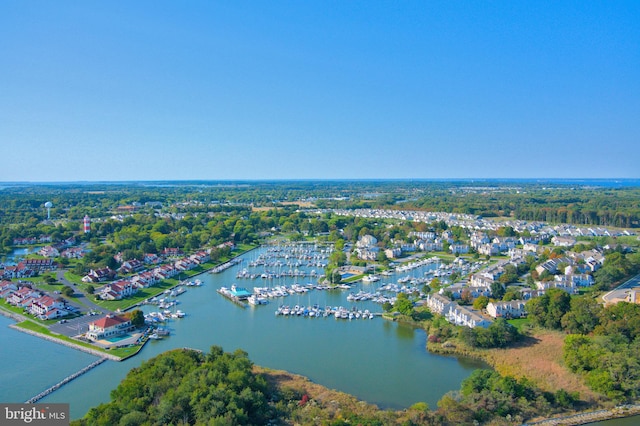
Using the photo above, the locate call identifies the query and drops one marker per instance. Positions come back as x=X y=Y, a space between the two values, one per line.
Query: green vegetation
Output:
x=187 y=387
x=601 y=347
x=119 y=352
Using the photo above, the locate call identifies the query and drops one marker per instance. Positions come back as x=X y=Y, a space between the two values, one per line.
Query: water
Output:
x=627 y=421
x=376 y=360
x=15 y=256
x=31 y=365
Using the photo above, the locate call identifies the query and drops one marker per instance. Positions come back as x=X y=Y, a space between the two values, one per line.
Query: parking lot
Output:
x=74 y=326
x=620 y=293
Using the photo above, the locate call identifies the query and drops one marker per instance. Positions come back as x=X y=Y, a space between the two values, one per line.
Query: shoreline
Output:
x=591 y=415
x=71 y=345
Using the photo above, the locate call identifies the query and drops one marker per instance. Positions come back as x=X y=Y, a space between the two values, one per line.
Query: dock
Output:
x=65 y=381
x=234 y=299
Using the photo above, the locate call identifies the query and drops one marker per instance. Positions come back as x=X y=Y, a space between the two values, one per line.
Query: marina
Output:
x=411 y=374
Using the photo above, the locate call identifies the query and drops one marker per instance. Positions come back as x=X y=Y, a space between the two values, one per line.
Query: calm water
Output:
x=627 y=421
x=376 y=360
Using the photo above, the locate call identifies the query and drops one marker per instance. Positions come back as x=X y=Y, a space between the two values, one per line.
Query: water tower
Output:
x=48 y=206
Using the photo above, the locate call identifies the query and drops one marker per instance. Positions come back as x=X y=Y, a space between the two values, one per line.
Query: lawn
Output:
x=119 y=352
x=159 y=288
x=519 y=323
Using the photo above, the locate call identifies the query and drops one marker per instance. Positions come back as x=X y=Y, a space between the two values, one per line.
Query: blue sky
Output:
x=155 y=90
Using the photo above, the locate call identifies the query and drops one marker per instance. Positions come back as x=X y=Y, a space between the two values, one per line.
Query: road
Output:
x=620 y=293
x=80 y=296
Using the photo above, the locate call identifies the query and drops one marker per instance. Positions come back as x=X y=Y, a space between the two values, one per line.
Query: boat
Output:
x=257 y=300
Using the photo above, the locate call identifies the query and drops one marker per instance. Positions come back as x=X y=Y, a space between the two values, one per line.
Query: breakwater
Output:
x=590 y=417
x=65 y=381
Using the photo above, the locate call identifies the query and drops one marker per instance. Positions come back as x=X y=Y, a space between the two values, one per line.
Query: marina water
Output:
x=379 y=361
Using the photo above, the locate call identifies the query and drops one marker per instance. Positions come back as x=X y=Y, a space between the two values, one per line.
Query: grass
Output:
x=71 y=277
x=119 y=352
x=520 y=323
x=8 y=307
x=159 y=288
x=539 y=358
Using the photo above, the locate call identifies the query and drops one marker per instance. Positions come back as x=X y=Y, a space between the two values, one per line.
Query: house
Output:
x=172 y=252
x=559 y=241
x=481 y=280
x=438 y=304
x=6 y=288
x=38 y=265
x=109 y=326
x=99 y=275
x=145 y=279
x=393 y=253
x=185 y=264
x=118 y=290
x=504 y=243
x=551 y=266
x=46 y=307
x=459 y=248
x=200 y=257
x=512 y=309
x=461 y=315
x=165 y=271
x=24 y=241
x=49 y=251
x=23 y=295
x=73 y=253
x=131 y=266
x=151 y=258
x=488 y=249
x=458 y=288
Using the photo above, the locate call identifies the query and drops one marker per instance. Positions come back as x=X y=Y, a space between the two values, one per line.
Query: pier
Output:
x=65 y=381
x=234 y=299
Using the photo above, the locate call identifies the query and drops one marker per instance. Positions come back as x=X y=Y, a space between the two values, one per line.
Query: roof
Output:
x=109 y=321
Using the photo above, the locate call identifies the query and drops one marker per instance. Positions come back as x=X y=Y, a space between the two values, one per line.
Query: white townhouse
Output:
x=511 y=309
x=461 y=315
x=439 y=304
x=481 y=280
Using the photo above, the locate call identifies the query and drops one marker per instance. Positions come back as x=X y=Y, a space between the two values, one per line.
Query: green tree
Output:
x=403 y=304
x=497 y=290
x=480 y=303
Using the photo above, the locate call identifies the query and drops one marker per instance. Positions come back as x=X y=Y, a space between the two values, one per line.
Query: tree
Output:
x=481 y=303
x=497 y=290
x=403 y=304
x=137 y=317
x=91 y=289
x=67 y=291
x=583 y=317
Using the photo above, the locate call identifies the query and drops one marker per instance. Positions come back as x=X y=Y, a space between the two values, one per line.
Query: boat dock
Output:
x=225 y=265
x=231 y=297
x=65 y=381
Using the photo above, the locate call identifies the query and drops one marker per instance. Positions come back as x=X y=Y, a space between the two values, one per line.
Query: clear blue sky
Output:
x=154 y=90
